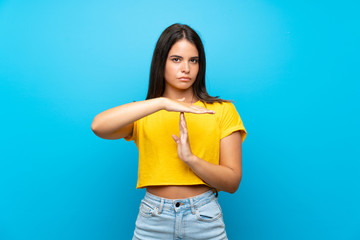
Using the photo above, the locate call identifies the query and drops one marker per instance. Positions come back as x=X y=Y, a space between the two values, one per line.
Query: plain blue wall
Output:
x=291 y=67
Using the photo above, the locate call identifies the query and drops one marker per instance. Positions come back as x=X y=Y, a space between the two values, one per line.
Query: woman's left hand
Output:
x=183 y=145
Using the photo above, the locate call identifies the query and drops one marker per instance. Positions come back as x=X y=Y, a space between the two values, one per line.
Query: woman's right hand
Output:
x=180 y=106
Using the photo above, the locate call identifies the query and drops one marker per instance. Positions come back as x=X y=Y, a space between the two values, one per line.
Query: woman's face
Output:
x=182 y=66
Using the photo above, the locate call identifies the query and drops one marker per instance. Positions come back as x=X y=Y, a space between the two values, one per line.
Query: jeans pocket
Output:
x=209 y=212
x=147 y=209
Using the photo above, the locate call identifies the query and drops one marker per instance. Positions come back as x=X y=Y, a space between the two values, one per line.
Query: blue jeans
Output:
x=198 y=217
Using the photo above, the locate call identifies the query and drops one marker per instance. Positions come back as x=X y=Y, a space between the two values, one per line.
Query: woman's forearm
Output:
x=227 y=175
x=119 y=118
x=118 y=122
x=220 y=177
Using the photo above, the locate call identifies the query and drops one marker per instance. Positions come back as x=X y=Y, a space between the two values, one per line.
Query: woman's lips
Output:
x=185 y=79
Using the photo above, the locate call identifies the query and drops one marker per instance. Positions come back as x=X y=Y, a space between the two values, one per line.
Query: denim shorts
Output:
x=198 y=217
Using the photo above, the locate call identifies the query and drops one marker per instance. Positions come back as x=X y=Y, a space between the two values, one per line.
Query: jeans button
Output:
x=177 y=204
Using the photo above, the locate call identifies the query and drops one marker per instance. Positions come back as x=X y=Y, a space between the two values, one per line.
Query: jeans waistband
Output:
x=175 y=204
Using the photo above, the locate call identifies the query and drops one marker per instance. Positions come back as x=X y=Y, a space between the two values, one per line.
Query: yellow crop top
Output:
x=159 y=163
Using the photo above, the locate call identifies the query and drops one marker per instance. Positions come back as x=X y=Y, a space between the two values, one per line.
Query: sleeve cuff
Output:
x=234 y=129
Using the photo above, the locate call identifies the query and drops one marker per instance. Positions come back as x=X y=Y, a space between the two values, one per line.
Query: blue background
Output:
x=290 y=66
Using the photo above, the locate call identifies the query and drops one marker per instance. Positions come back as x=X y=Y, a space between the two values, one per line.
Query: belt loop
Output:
x=192 y=206
x=153 y=212
x=161 y=206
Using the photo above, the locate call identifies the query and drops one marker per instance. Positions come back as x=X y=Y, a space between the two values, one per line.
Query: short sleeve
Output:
x=230 y=121
x=133 y=135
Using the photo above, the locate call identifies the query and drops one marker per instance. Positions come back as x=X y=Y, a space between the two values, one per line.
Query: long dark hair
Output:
x=167 y=39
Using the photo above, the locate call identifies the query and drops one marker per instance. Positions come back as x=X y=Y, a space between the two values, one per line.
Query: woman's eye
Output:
x=194 y=60
x=176 y=59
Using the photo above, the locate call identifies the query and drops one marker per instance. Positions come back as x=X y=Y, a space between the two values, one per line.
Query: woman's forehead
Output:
x=184 y=47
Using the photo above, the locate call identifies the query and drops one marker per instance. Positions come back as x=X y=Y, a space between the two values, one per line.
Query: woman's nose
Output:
x=185 y=67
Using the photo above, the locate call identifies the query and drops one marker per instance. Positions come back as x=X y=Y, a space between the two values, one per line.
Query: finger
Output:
x=180 y=122
x=183 y=126
x=183 y=129
x=202 y=110
x=176 y=138
x=182 y=119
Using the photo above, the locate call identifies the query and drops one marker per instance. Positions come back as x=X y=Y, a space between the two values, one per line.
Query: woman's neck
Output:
x=187 y=97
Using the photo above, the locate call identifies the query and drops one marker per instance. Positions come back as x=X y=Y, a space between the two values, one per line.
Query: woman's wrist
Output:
x=191 y=160
x=162 y=103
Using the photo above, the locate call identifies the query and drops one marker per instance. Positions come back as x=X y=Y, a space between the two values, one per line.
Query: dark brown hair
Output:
x=167 y=39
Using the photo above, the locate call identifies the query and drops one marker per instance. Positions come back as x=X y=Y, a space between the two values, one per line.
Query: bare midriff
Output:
x=177 y=192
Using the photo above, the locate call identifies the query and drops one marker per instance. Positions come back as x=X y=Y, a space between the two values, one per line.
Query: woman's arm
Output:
x=227 y=175
x=118 y=122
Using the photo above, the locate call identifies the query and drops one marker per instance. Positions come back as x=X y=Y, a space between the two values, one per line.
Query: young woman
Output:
x=189 y=143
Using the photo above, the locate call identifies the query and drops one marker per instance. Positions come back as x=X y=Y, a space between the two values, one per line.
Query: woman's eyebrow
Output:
x=182 y=57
